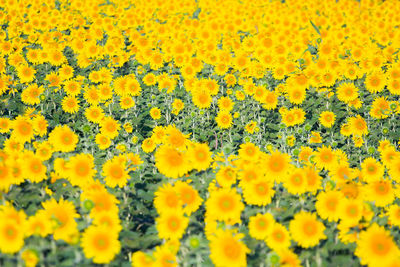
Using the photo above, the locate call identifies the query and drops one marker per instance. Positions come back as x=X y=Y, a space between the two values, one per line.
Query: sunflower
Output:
x=39 y=224
x=327 y=118
x=177 y=106
x=189 y=196
x=258 y=191
x=175 y=138
x=5 y=125
x=313 y=179
x=358 y=125
x=371 y=170
x=63 y=139
x=296 y=95
x=288 y=258
x=226 y=176
x=376 y=247
x=30 y=95
x=375 y=81
x=26 y=74
x=62 y=214
x=6 y=178
x=388 y=155
x=296 y=182
x=105 y=92
x=158 y=134
x=33 y=169
x=393 y=212
x=225 y=103
x=126 y=102
x=347 y=92
x=380 y=192
x=260 y=225
x=306 y=230
x=103 y=141
x=140 y=259
x=249 y=151
x=149 y=79
x=325 y=158
x=249 y=172
x=167 y=198
x=327 y=205
x=278 y=238
x=227 y=249
x=81 y=169
x=394 y=168
x=224 y=205
x=155 y=113
x=171 y=162
x=171 y=225
x=277 y=165
x=94 y=114
x=30 y=257
x=110 y=127
x=103 y=201
x=72 y=88
x=40 y=125
x=108 y=219
x=70 y=104
x=201 y=98
x=270 y=100
x=200 y=156
x=22 y=129
x=101 y=244
x=165 y=256
x=115 y=173
x=11 y=236
x=350 y=211
x=148 y=145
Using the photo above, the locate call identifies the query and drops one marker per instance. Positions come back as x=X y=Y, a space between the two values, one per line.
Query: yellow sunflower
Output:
x=224 y=120
x=227 y=249
x=306 y=230
x=101 y=244
x=115 y=173
x=224 y=205
x=171 y=225
x=376 y=247
x=63 y=139
x=62 y=214
x=171 y=162
x=260 y=225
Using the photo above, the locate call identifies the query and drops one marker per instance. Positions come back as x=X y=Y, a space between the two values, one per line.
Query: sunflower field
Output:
x=199 y=133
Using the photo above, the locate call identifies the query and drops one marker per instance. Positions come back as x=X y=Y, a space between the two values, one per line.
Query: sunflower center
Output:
x=66 y=138
x=381 y=247
x=297 y=179
x=24 y=129
x=101 y=243
x=116 y=172
x=173 y=224
x=232 y=250
x=10 y=232
x=200 y=155
x=331 y=204
x=371 y=169
x=382 y=189
x=82 y=169
x=309 y=229
x=261 y=224
x=226 y=204
x=278 y=236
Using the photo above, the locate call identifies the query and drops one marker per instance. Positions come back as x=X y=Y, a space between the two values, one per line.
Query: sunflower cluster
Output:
x=199 y=132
